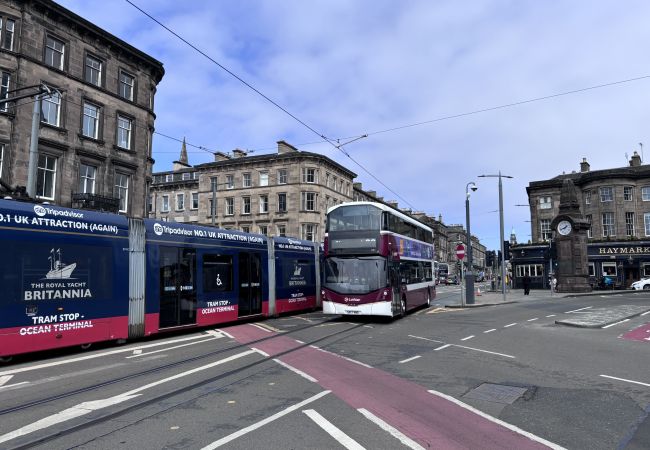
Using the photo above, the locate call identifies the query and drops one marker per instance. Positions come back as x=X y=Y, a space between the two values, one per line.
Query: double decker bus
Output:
x=378 y=261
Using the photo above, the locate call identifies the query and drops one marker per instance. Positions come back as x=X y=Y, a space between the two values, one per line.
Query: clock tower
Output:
x=570 y=230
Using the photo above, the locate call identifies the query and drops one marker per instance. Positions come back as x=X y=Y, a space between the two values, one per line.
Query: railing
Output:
x=95 y=202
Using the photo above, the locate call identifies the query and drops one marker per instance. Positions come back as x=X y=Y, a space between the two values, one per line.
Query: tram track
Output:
x=43 y=439
x=155 y=370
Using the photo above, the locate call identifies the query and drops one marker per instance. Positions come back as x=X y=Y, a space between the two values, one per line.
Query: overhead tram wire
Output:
x=253 y=88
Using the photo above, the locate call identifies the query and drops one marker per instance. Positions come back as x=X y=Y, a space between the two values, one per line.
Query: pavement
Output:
x=593 y=318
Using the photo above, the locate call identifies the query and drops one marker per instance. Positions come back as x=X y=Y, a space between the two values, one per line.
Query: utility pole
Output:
x=44 y=91
x=503 y=254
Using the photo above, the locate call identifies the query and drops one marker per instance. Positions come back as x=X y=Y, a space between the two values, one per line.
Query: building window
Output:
x=87 y=175
x=122 y=190
x=646 y=222
x=230 y=182
x=282 y=231
x=5 y=87
x=627 y=193
x=587 y=197
x=246 y=180
x=308 y=201
x=606 y=194
x=149 y=204
x=282 y=202
x=165 y=203
x=282 y=176
x=264 y=178
x=608 y=224
x=592 y=269
x=590 y=229
x=230 y=206
x=264 y=230
x=347 y=189
x=54 y=52
x=609 y=268
x=51 y=109
x=8 y=31
x=327 y=179
x=246 y=229
x=309 y=175
x=629 y=224
x=545 y=203
x=195 y=200
x=309 y=231
x=124 y=127
x=93 y=70
x=545 y=229
x=264 y=204
x=180 y=202
x=645 y=193
x=90 y=125
x=335 y=182
x=46 y=179
x=169 y=178
x=127 y=85
x=246 y=205
x=646 y=270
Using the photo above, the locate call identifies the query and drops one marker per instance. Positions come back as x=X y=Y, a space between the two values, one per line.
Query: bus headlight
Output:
x=385 y=293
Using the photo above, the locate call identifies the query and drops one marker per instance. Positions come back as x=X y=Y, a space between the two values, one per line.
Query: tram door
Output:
x=177 y=287
x=250 y=284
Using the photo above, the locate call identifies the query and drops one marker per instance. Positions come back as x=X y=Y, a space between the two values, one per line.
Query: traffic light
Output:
x=489 y=258
x=499 y=256
x=506 y=249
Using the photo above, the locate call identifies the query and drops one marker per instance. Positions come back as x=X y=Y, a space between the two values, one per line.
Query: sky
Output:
x=345 y=68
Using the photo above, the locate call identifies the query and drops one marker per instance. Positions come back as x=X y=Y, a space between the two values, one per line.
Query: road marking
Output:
x=88 y=407
x=98 y=355
x=342 y=438
x=368 y=326
x=260 y=327
x=425 y=339
x=298 y=371
x=255 y=426
x=490 y=331
x=442 y=347
x=216 y=333
x=509 y=426
x=647 y=312
x=390 y=429
x=261 y=352
x=629 y=381
x=576 y=310
x=484 y=351
x=139 y=352
x=510 y=325
x=551 y=315
x=467 y=338
x=299 y=342
x=341 y=356
x=13 y=385
x=532 y=320
x=5 y=378
x=227 y=334
x=410 y=359
x=612 y=324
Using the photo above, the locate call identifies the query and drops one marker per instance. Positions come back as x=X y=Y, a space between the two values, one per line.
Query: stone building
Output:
x=282 y=194
x=94 y=142
x=616 y=202
x=456 y=233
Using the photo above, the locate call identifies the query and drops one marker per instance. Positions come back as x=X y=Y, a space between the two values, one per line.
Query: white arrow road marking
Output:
x=87 y=407
x=331 y=429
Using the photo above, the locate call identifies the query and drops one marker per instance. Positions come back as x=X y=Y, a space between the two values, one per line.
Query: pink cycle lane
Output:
x=641 y=333
x=432 y=421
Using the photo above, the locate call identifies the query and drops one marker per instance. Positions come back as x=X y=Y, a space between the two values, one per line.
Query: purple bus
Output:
x=378 y=261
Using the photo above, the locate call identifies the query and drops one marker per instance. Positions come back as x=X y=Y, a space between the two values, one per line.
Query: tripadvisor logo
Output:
x=39 y=210
x=158 y=229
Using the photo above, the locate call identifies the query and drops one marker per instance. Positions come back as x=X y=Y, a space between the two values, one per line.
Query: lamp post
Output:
x=469 y=274
x=503 y=255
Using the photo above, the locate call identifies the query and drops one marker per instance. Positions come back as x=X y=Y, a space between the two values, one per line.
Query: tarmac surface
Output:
x=593 y=318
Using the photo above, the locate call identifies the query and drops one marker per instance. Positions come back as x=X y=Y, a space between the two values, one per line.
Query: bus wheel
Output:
x=85 y=346
x=428 y=297
x=5 y=359
x=403 y=307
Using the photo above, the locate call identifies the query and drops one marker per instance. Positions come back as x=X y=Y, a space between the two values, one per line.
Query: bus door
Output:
x=177 y=287
x=250 y=284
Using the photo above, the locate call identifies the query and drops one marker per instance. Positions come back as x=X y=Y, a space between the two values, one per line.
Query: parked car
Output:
x=643 y=283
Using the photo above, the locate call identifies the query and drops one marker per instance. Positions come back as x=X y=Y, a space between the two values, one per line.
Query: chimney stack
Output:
x=284 y=147
x=220 y=156
x=635 y=160
x=238 y=153
x=584 y=165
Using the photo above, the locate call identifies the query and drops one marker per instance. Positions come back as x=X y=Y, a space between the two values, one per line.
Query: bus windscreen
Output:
x=355 y=218
x=355 y=275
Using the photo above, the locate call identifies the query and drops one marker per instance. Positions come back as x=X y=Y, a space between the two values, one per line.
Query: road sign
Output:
x=460 y=251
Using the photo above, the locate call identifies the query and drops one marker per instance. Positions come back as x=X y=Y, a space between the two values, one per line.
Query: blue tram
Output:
x=74 y=277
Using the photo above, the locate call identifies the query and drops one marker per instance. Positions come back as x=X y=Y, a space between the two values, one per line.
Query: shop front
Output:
x=618 y=264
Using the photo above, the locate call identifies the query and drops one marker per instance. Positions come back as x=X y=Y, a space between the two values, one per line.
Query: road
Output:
x=495 y=377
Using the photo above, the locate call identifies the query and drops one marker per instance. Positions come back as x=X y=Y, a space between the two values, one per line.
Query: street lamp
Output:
x=503 y=255
x=469 y=276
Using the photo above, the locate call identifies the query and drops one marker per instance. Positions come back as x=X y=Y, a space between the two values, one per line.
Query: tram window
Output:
x=217 y=273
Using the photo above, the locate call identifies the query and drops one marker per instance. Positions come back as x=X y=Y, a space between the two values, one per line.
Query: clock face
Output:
x=564 y=227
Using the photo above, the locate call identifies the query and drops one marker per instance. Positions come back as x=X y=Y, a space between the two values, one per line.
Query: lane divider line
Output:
x=266 y=330
x=341 y=356
x=576 y=310
x=140 y=353
x=261 y=352
x=467 y=338
x=628 y=381
x=441 y=347
x=645 y=313
x=617 y=323
x=510 y=325
x=485 y=351
x=14 y=385
x=425 y=339
x=392 y=430
x=509 y=426
x=231 y=437
x=532 y=320
x=551 y=315
x=490 y=331
x=298 y=371
x=331 y=429
x=412 y=358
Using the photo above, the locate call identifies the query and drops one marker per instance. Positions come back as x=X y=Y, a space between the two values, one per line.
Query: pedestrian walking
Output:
x=526 y=281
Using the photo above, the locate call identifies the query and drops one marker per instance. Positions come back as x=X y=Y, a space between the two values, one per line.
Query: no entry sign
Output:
x=460 y=251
